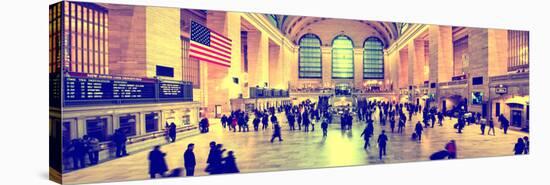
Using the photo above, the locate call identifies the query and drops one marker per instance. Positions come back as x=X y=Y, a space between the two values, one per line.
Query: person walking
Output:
x=382 y=140
x=305 y=121
x=93 y=149
x=482 y=125
x=504 y=123
x=256 y=123
x=189 y=161
x=210 y=161
x=299 y=120
x=173 y=131
x=324 y=126
x=230 y=163
x=526 y=141
x=276 y=132
x=392 y=123
x=451 y=148
x=440 y=118
x=224 y=121
x=401 y=125
x=491 y=127
x=519 y=147
x=265 y=122
x=78 y=153
x=234 y=123
x=418 y=130
x=291 y=121
x=367 y=133
x=119 y=138
x=157 y=163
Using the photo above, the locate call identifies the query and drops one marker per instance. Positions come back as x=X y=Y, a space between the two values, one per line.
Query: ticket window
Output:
x=151 y=122
x=66 y=133
x=97 y=128
x=128 y=125
x=186 y=120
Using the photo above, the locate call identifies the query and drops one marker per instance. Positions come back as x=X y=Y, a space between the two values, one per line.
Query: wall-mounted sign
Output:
x=501 y=90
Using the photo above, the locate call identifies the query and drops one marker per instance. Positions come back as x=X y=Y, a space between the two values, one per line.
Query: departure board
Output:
x=170 y=89
x=89 y=87
x=83 y=89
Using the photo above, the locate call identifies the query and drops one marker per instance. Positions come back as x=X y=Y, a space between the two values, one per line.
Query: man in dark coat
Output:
x=265 y=121
x=157 y=164
x=230 y=164
x=256 y=123
x=210 y=161
x=392 y=123
x=276 y=132
x=401 y=125
x=119 y=138
x=172 y=132
x=324 y=126
x=519 y=147
x=382 y=141
x=189 y=160
x=78 y=151
x=504 y=123
x=224 y=121
x=291 y=121
x=367 y=133
x=418 y=130
x=305 y=121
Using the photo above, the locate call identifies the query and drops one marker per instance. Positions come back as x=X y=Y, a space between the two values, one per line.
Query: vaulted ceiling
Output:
x=293 y=27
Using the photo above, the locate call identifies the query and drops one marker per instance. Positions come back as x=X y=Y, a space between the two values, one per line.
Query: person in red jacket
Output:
x=451 y=148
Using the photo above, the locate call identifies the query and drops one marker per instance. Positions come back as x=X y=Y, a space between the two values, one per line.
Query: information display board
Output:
x=81 y=88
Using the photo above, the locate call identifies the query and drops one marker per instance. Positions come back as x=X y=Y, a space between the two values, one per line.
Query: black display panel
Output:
x=175 y=90
x=80 y=88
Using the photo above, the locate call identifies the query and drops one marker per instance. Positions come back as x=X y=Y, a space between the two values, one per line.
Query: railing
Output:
x=508 y=77
x=453 y=83
x=256 y=92
x=152 y=135
x=312 y=90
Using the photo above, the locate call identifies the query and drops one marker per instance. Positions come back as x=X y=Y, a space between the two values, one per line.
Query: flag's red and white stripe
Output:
x=219 y=51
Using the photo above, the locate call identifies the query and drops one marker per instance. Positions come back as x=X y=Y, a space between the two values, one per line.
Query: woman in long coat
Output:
x=230 y=165
x=157 y=163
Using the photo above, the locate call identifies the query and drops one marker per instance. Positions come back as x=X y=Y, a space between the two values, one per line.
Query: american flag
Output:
x=209 y=46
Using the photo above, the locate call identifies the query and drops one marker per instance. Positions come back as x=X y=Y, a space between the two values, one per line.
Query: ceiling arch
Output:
x=294 y=27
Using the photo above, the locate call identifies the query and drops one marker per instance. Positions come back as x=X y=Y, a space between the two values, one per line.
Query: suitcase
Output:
x=414 y=136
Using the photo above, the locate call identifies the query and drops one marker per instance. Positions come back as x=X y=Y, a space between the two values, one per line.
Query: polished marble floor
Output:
x=300 y=150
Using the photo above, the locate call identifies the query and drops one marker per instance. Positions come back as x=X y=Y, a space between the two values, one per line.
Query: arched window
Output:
x=373 y=59
x=342 y=57
x=309 y=63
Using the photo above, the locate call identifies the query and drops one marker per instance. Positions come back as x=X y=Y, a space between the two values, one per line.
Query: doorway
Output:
x=516 y=118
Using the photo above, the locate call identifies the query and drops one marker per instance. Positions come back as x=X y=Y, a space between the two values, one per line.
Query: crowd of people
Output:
x=216 y=162
x=303 y=117
x=80 y=148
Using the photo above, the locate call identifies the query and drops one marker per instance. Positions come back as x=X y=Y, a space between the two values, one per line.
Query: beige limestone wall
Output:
x=326 y=59
x=127 y=54
x=441 y=53
x=403 y=67
x=258 y=57
x=419 y=73
x=478 y=65
x=163 y=40
x=275 y=67
x=358 y=66
x=498 y=52
x=412 y=62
